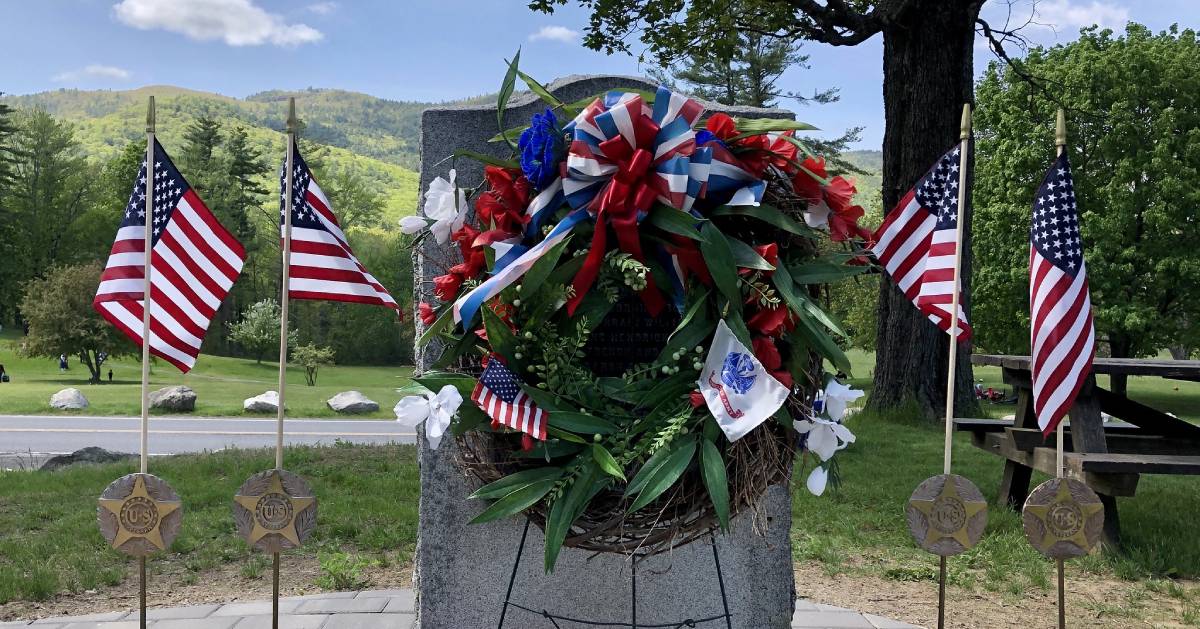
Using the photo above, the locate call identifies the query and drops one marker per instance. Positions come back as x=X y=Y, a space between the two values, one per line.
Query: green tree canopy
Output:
x=1134 y=144
x=58 y=309
x=258 y=330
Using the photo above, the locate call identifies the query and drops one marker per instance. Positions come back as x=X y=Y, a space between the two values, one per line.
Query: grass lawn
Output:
x=50 y=543
x=221 y=384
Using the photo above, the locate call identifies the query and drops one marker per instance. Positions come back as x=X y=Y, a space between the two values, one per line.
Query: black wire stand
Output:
x=553 y=619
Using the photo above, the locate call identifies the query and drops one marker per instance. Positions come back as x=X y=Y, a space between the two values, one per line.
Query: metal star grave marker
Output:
x=275 y=510
x=1063 y=518
x=946 y=514
x=139 y=514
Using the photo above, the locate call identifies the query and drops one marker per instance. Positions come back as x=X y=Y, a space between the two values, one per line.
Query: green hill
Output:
x=375 y=136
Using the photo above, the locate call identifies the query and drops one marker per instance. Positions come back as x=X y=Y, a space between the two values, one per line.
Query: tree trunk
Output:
x=93 y=364
x=1119 y=346
x=927 y=76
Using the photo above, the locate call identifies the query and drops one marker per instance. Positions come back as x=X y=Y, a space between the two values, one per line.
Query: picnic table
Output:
x=1109 y=456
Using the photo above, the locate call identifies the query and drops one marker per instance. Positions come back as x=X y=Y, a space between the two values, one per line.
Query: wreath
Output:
x=635 y=318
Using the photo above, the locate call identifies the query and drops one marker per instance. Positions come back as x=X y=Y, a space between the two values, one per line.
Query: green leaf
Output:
x=507 y=135
x=564 y=511
x=535 y=278
x=582 y=423
x=506 y=90
x=435 y=380
x=470 y=417
x=540 y=90
x=500 y=336
x=508 y=484
x=517 y=501
x=767 y=214
x=548 y=450
x=738 y=326
x=545 y=400
x=607 y=463
x=674 y=221
x=719 y=259
x=643 y=476
x=564 y=435
x=824 y=318
x=440 y=324
x=712 y=468
x=664 y=476
x=460 y=346
x=808 y=328
x=755 y=126
x=487 y=159
x=745 y=257
x=824 y=272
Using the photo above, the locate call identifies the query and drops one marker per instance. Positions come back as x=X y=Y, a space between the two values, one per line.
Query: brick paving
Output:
x=373 y=609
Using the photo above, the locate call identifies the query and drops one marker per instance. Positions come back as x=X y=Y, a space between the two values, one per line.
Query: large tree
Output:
x=1134 y=143
x=58 y=309
x=927 y=76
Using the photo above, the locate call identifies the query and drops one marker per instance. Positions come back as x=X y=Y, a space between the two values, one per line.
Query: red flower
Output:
x=427 y=314
x=445 y=287
x=767 y=353
x=808 y=184
x=722 y=126
x=784 y=377
x=526 y=442
x=771 y=322
x=784 y=153
x=503 y=205
x=697 y=399
x=843 y=216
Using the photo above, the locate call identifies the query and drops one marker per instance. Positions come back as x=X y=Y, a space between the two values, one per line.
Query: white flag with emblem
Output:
x=740 y=393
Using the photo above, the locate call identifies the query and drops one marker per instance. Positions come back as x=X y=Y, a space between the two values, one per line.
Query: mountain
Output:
x=375 y=136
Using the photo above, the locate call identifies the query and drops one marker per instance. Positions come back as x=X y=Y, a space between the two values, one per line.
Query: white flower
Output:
x=446 y=205
x=837 y=397
x=817 y=215
x=413 y=224
x=817 y=480
x=435 y=410
x=825 y=437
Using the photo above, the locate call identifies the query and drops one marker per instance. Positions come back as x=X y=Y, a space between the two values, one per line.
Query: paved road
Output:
x=176 y=435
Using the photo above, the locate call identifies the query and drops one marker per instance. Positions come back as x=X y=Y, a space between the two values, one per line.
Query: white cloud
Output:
x=1068 y=15
x=93 y=71
x=323 y=8
x=236 y=22
x=555 y=33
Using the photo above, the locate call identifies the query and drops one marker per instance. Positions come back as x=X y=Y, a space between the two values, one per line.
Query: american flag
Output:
x=194 y=262
x=918 y=241
x=323 y=267
x=1062 y=336
x=499 y=394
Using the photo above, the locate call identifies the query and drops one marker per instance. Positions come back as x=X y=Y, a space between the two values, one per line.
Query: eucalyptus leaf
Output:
x=564 y=435
x=506 y=90
x=540 y=90
x=607 y=463
x=564 y=511
x=500 y=336
x=582 y=423
x=824 y=272
x=712 y=469
x=665 y=475
x=515 y=502
x=719 y=259
x=506 y=485
x=745 y=257
x=768 y=214
x=674 y=221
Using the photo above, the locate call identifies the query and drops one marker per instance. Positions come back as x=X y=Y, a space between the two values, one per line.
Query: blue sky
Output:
x=427 y=50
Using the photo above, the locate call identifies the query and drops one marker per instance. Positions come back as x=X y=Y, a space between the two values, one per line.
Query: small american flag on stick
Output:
x=194 y=262
x=499 y=394
x=1062 y=336
x=918 y=242
x=322 y=265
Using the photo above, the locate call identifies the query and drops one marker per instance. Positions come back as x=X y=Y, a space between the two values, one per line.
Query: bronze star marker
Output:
x=275 y=510
x=1063 y=518
x=946 y=514
x=139 y=514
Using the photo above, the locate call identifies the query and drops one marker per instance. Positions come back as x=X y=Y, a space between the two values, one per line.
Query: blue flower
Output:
x=542 y=148
x=704 y=136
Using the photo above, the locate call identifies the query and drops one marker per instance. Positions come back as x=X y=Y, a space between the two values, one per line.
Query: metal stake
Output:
x=1060 y=141
x=941 y=593
x=147 y=244
x=142 y=592
x=275 y=592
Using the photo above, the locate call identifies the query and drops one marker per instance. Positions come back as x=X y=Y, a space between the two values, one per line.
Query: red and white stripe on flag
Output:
x=1062 y=334
x=498 y=393
x=194 y=262
x=323 y=266
x=918 y=242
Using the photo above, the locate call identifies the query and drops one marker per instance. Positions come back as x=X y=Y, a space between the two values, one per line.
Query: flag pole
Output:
x=283 y=330
x=1060 y=142
x=964 y=137
x=147 y=244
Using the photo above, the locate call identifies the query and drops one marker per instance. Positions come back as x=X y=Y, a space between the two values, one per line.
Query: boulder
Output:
x=265 y=403
x=177 y=398
x=68 y=399
x=352 y=402
x=90 y=454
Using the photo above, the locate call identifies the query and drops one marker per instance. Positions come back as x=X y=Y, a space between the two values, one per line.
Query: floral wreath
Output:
x=638 y=205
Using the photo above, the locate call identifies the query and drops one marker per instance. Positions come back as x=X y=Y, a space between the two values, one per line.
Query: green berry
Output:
x=516 y=303
x=518 y=355
x=697 y=366
x=597 y=438
x=666 y=370
x=528 y=334
x=699 y=350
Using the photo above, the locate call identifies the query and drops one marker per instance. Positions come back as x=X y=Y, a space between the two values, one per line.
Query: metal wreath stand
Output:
x=633 y=624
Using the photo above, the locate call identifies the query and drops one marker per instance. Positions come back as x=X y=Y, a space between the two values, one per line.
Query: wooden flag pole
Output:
x=964 y=137
x=147 y=244
x=283 y=330
x=1060 y=142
